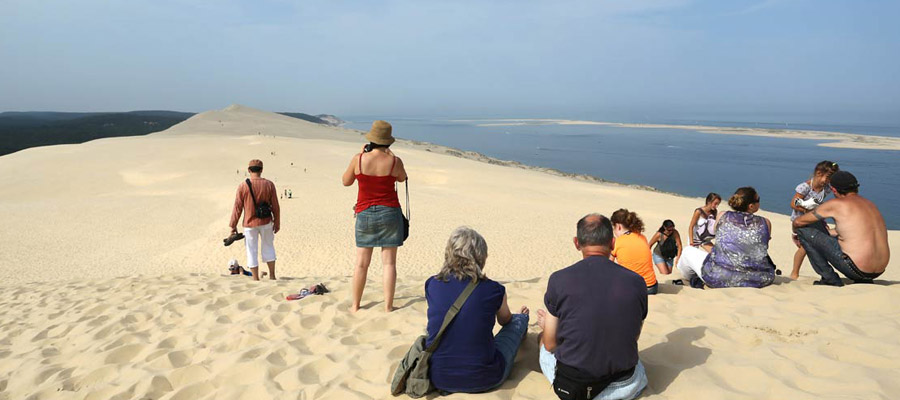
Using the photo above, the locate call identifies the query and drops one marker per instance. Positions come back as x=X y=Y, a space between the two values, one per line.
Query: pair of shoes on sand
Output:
x=319 y=289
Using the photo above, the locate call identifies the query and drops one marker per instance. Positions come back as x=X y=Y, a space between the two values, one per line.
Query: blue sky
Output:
x=798 y=60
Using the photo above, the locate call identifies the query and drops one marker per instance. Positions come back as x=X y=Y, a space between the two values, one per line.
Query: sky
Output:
x=798 y=60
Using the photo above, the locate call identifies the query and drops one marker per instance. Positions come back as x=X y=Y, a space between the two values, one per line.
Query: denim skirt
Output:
x=379 y=226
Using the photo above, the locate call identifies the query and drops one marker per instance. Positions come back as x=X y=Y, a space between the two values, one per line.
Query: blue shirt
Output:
x=466 y=359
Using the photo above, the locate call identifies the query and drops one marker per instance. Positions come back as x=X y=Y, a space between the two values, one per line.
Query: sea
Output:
x=681 y=161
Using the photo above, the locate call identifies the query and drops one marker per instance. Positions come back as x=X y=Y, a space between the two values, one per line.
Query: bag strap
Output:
x=252 y=196
x=408 y=211
x=451 y=313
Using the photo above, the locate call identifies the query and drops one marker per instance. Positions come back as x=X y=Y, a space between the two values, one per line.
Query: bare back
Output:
x=861 y=231
x=377 y=163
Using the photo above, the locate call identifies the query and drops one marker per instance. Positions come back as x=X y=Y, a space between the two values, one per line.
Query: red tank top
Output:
x=376 y=190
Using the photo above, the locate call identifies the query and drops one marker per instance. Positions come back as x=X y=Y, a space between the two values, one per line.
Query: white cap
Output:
x=232 y=263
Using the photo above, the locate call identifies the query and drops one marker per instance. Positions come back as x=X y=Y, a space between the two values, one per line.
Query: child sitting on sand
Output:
x=809 y=194
x=237 y=269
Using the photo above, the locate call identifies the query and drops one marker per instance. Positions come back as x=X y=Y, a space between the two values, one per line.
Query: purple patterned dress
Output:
x=740 y=256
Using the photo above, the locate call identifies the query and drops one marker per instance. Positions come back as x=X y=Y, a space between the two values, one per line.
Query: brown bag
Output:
x=411 y=376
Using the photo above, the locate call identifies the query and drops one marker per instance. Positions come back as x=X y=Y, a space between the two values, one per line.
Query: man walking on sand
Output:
x=595 y=312
x=858 y=247
x=256 y=198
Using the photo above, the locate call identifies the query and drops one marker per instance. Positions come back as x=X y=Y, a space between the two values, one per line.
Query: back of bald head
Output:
x=594 y=230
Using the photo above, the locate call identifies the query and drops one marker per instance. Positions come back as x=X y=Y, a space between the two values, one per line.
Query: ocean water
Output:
x=672 y=160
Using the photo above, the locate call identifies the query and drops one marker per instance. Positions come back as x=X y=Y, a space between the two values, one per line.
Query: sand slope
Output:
x=112 y=260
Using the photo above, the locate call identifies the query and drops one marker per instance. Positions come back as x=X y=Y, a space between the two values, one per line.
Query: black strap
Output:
x=252 y=196
x=451 y=313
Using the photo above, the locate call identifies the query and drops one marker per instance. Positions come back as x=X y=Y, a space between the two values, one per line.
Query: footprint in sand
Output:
x=250 y=304
x=251 y=355
x=310 y=322
x=168 y=343
x=46 y=373
x=195 y=391
x=181 y=358
x=124 y=354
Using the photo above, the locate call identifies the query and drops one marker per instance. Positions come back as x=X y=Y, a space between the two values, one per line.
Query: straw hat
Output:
x=380 y=133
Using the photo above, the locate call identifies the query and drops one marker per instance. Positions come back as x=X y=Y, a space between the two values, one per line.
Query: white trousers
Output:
x=691 y=262
x=253 y=236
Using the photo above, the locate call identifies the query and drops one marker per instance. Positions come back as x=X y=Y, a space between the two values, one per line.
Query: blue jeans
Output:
x=824 y=251
x=508 y=341
x=619 y=390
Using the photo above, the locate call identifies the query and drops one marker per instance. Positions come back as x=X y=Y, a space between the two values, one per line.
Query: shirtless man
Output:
x=858 y=248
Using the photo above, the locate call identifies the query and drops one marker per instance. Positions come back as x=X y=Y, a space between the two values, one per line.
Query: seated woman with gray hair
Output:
x=469 y=358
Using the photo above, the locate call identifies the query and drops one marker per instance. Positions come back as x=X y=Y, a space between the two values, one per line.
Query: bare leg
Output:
x=271 y=265
x=255 y=272
x=389 y=264
x=663 y=268
x=363 y=258
x=798 y=261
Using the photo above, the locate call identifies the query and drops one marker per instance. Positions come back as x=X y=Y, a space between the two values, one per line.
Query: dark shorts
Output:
x=653 y=289
x=379 y=226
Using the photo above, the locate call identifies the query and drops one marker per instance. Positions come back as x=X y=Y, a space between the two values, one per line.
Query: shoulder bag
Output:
x=411 y=376
x=262 y=210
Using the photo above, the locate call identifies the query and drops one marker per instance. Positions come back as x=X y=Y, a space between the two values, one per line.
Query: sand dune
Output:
x=113 y=263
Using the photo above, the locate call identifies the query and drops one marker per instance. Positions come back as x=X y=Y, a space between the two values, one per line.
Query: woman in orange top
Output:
x=630 y=248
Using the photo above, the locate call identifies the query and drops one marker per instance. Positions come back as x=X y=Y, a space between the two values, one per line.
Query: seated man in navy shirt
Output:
x=595 y=312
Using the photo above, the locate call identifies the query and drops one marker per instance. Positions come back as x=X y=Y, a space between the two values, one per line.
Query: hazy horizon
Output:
x=774 y=60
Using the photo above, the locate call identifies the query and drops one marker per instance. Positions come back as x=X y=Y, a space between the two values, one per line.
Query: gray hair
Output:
x=594 y=230
x=464 y=256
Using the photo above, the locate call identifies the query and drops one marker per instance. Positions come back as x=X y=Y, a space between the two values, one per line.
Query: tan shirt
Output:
x=264 y=190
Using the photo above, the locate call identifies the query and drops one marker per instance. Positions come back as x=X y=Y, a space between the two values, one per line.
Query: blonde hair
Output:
x=464 y=255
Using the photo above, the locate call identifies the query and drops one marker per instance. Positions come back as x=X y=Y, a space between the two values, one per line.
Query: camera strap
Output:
x=252 y=196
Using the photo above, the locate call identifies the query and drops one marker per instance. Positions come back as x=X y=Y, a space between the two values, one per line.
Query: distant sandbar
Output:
x=832 y=139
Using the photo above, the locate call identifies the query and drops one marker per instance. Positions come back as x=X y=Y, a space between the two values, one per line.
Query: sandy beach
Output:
x=116 y=289
x=828 y=139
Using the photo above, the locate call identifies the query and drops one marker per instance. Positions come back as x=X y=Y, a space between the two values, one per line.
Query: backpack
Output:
x=668 y=248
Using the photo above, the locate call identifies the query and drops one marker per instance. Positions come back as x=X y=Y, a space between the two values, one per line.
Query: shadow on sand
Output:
x=665 y=361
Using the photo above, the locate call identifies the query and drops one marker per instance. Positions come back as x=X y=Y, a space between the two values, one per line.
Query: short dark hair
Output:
x=255 y=169
x=594 y=230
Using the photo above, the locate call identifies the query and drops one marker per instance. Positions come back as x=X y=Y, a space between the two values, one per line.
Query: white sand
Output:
x=113 y=264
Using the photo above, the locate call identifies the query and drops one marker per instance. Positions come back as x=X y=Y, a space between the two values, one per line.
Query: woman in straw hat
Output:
x=379 y=220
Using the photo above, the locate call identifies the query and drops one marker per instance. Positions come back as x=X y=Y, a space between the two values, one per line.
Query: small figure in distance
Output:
x=703 y=223
x=808 y=195
x=253 y=194
x=630 y=248
x=858 y=247
x=469 y=358
x=667 y=249
x=379 y=220
x=599 y=308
